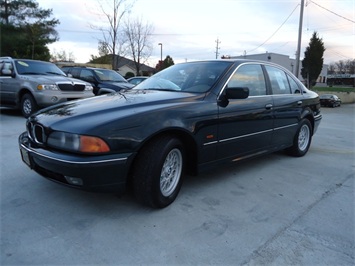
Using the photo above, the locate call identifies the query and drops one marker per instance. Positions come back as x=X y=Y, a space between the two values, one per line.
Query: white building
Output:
x=285 y=61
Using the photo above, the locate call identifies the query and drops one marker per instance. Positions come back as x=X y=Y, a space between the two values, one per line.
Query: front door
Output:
x=246 y=125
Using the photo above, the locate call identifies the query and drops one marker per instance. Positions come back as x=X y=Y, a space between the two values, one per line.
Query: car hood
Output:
x=84 y=115
x=50 y=79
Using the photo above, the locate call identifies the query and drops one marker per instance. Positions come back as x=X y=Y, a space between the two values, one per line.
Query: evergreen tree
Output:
x=168 y=61
x=26 y=29
x=312 y=63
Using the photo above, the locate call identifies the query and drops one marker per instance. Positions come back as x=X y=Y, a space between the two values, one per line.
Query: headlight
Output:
x=52 y=87
x=88 y=88
x=77 y=143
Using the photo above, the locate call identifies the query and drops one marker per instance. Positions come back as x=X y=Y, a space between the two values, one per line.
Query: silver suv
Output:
x=29 y=85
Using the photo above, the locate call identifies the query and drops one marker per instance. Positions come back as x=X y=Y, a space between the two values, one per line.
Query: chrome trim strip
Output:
x=292 y=125
x=247 y=135
x=71 y=162
x=210 y=143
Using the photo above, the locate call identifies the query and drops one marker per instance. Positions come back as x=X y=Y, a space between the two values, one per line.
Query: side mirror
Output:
x=233 y=93
x=237 y=93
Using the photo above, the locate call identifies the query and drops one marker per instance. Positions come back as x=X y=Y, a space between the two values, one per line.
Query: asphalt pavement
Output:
x=273 y=210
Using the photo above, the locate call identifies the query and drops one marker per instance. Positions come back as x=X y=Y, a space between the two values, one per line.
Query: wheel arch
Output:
x=20 y=94
x=307 y=114
x=190 y=148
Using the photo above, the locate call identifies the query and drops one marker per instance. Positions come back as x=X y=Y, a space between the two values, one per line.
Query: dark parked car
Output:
x=330 y=100
x=185 y=119
x=103 y=80
x=136 y=80
x=29 y=85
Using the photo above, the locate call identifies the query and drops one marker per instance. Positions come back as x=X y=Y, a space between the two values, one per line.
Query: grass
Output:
x=335 y=89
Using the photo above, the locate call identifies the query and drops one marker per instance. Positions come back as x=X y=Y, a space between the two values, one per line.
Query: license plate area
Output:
x=25 y=157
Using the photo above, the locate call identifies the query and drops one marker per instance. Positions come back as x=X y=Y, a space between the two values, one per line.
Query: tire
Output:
x=158 y=172
x=28 y=105
x=302 y=140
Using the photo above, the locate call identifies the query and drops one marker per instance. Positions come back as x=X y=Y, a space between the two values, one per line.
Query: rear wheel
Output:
x=158 y=172
x=28 y=105
x=302 y=140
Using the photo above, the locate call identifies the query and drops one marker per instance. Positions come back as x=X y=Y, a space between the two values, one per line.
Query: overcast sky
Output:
x=189 y=29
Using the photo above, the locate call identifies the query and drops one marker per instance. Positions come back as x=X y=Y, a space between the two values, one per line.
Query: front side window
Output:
x=278 y=80
x=251 y=77
x=86 y=74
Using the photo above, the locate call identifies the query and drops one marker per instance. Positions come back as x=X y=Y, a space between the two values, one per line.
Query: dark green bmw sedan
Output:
x=183 y=120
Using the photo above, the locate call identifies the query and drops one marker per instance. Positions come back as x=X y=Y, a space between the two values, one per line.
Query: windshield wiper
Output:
x=161 y=89
x=54 y=73
x=30 y=73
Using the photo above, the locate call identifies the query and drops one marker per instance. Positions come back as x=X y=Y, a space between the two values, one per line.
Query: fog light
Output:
x=54 y=99
x=74 y=181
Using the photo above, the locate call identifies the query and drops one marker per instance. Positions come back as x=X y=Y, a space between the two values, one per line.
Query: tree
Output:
x=62 y=56
x=168 y=61
x=342 y=67
x=26 y=29
x=137 y=35
x=111 y=34
x=104 y=56
x=312 y=63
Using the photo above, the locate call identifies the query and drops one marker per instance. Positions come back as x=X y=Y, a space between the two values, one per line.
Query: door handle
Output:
x=268 y=106
x=299 y=103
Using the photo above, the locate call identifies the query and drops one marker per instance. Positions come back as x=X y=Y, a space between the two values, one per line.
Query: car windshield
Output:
x=187 y=77
x=29 y=67
x=326 y=96
x=109 y=75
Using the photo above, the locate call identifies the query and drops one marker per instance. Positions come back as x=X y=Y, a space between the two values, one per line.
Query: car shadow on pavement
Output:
x=10 y=112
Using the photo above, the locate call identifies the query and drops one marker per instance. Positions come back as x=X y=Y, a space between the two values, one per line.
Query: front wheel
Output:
x=158 y=172
x=302 y=140
x=28 y=105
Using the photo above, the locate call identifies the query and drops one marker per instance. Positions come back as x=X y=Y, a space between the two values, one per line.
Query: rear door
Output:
x=246 y=125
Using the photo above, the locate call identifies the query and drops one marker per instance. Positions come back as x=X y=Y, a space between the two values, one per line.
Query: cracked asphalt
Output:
x=273 y=210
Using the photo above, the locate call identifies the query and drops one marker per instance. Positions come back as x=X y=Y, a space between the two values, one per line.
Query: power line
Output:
x=332 y=12
x=276 y=30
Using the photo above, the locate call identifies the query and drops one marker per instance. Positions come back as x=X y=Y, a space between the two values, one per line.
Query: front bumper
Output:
x=93 y=173
x=48 y=98
x=317 y=120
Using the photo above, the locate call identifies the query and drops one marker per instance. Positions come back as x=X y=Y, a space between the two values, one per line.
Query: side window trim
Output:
x=263 y=79
x=278 y=81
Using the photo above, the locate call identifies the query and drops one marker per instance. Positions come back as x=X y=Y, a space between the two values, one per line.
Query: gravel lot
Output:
x=274 y=210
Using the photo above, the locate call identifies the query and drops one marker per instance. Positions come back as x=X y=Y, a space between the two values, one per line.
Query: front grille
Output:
x=71 y=87
x=36 y=133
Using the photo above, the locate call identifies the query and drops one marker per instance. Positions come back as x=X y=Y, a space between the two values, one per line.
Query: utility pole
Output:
x=217 y=47
x=299 y=40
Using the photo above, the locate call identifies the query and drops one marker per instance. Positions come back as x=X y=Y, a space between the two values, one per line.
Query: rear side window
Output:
x=278 y=80
x=293 y=85
x=251 y=77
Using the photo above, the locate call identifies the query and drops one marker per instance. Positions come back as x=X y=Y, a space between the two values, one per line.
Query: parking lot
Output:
x=274 y=210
